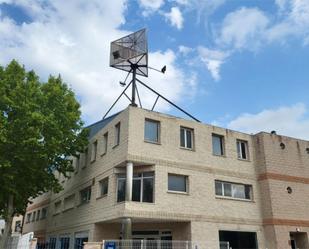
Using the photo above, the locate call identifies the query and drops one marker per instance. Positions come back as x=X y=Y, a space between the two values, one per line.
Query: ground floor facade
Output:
x=184 y=235
x=199 y=234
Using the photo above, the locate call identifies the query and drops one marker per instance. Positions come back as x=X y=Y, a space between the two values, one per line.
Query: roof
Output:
x=97 y=126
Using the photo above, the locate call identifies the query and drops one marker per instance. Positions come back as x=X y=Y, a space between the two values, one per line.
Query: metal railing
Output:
x=147 y=244
x=164 y=244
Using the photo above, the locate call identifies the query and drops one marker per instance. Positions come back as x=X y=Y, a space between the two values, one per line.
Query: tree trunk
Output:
x=8 y=223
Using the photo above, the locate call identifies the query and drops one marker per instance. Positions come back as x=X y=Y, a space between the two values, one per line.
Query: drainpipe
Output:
x=127 y=222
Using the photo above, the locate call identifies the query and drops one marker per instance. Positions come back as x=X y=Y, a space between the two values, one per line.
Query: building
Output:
x=185 y=181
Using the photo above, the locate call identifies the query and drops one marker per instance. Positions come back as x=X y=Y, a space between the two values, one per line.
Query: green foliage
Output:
x=40 y=129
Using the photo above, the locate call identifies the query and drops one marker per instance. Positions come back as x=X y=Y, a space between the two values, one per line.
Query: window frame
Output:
x=158 y=123
x=85 y=159
x=141 y=178
x=117 y=131
x=106 y=179
x=33 y=216
x=176 y=191
x=104 y=143
x=222 y=144
x=94 y=151
x=56 y=205
x=239 y=149
x=81 y=201
x=45 y=213
x=28 y=217
x=17 y=226
x=187 y=129
x=38 y=214
x=251 y=198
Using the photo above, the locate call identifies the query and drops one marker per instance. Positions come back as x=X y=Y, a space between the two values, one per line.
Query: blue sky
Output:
x=235 y=63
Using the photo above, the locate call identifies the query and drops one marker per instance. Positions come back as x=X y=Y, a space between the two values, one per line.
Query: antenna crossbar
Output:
x=170 y=102
x=117 y=100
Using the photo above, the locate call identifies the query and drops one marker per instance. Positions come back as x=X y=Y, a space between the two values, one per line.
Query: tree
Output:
x=40 y=130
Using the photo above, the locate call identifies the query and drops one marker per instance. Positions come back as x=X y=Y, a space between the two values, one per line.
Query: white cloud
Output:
x=73 y=38
x=295 y=22
x=184 y=50
x=202 y=8
x=243 y=28
x=282 y=4
x=213 y=60
x=287 y=120
x=150 y=6
x=175 y=17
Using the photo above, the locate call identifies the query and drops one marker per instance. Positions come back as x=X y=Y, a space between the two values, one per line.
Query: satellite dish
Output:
x=130 y=53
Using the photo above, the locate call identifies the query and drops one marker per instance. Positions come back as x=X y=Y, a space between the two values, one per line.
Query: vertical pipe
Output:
x=129 y=181
x=126 y=222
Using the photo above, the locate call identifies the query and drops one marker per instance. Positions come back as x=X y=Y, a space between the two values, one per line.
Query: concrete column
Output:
x=129 y=181
x=127 y=222
x=126 y=228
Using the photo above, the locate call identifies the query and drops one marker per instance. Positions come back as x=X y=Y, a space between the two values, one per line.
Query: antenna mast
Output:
x=130 y=54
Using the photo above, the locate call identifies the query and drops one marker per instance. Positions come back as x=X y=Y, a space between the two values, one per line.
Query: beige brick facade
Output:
x=274 y=215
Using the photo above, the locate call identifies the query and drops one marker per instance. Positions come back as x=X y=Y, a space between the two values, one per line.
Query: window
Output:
x=177 y=183
x=85 y=158
x=57 y=207
x=217 y=145
x=117 y=134
x=28 y=218
x=80 y=239
x=234 y=190
x=38 y=215
x=52 y=243
x=104 y=187
x=33 y=216
x=17 y=228
x=44 y=213
x=151 y=132
x=186 y=138
x=94 y=151
x=64 y=243
x=142 y=189
x=105 y=142
x=242 y=149
x=69 y=202
x=85 y=195
x=121 y=188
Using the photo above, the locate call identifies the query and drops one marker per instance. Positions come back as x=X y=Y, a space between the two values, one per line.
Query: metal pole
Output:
x=116 y=100
x=134 y=67
x=168 y=100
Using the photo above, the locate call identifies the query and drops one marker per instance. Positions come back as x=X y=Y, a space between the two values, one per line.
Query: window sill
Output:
x=103 y=154
x=188 y=149
x=101 y=197
x=84 y=167
x=115 y=146
x=232 y=198
x=143 y=202
x=56 y=214
x=223 y=156
x=152 y=142
x=244 y=160
x=177 y=192
x=92 y=161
